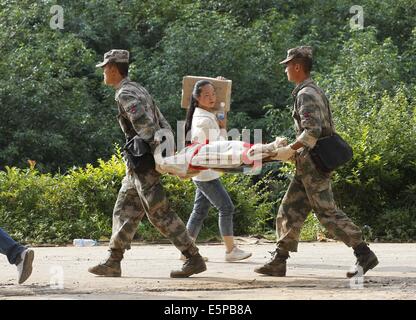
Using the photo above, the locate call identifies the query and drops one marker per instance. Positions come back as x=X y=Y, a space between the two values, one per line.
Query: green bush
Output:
x=396 y=225
x=312 y=229
x=45 y=208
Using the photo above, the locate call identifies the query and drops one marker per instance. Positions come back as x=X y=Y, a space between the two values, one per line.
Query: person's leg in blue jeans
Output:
x=212 y=193
x=199 y=213
x=9 y=247
x=17 y=254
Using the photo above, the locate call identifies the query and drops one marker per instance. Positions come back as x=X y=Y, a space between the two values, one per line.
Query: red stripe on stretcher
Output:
x=195 y=153
x=244 y=157
x=255 y=163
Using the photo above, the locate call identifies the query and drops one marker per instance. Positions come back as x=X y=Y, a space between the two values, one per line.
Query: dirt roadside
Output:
x=317 y=271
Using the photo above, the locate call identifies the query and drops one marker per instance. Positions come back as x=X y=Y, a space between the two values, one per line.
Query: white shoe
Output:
x=237 y=255
x=183 y=258
x=24 y=267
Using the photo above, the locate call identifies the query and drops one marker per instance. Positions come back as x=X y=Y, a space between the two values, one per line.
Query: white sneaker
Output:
x=183 y=258
x=237 y=255
x=24 y=267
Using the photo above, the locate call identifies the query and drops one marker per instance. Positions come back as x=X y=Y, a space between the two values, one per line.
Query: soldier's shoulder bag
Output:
x=330 y=153
x=138 y=155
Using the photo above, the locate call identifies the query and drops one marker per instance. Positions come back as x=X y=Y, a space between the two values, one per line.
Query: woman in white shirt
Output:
x=202 y=126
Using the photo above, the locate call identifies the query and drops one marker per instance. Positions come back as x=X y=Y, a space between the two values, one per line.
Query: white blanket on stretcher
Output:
x=217 y=155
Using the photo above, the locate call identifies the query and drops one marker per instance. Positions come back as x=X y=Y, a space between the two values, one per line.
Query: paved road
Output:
x=315 y=272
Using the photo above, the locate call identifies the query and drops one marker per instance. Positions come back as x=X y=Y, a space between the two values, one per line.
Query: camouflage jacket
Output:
x=138 y=113
x=311 y=113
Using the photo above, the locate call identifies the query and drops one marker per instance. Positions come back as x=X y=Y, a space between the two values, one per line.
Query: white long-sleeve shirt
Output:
x=205 y=128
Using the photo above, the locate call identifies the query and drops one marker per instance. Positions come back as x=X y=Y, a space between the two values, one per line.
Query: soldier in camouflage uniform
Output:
x=310 y=188
x=141 y=191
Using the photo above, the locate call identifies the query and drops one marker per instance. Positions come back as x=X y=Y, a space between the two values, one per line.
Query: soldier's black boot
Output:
x=366 y=260
x=277 y=265
x=194 y=264
x=111 y=267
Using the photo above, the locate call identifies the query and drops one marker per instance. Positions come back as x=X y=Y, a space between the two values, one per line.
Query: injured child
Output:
x=223 y=156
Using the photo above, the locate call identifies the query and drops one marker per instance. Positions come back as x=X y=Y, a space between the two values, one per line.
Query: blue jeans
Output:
x=9 y=247
x=211 y=193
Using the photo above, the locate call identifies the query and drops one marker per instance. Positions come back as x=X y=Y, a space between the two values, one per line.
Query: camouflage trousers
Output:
x=311 y=190
x=142 y=193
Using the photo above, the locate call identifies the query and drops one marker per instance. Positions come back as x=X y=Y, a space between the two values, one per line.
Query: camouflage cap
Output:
x=298 y=52
x=114 y=55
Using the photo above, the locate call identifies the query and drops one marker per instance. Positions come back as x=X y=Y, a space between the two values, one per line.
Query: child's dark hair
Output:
x=196 y=92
